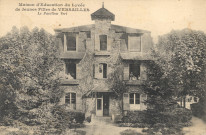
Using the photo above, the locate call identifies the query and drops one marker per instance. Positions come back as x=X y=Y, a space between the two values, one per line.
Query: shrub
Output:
x=69 y=117
x=134 y=117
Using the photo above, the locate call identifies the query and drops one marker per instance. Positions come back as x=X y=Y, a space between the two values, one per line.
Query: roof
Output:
x=116 y=28
x=98 y=88
x=76 y=29
x=102 y=13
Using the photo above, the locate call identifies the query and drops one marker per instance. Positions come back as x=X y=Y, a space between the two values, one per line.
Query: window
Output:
x=134 y=43
x=195 y=99
x=103 y=70
x=103 y=42
x=71 y=42
x=88 y=34
x=134 y=71
x=134 y=98
x=70 y=71
x=70 y=98
x=99 y=104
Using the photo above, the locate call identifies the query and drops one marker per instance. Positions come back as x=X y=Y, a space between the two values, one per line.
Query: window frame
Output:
x=139 y=72
x=71 y=34
x=69 y=96
x=104 y=75
x=102 y=41
x=134 y=99
x=129 y=44
x=67 y=70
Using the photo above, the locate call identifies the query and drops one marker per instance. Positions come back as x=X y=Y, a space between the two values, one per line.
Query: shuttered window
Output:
x=100 y=70
x=134 y=98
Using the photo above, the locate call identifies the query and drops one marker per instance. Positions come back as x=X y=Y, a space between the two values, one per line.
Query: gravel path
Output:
x=198 y=127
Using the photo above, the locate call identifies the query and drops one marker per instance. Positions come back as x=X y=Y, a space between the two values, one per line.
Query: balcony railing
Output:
x=134 y=82
x=69 y=82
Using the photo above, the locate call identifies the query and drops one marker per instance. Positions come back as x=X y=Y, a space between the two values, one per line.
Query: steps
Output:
x=101 y=119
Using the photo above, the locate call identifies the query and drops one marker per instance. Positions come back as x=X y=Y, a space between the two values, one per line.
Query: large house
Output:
x=90 y=54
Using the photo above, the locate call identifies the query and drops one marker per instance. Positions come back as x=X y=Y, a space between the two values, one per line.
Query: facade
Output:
x=90 y=54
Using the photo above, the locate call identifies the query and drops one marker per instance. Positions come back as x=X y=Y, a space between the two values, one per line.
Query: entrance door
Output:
x=99 y=107
x=105 y=105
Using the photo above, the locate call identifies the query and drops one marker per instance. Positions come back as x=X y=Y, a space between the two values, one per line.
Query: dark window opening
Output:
x=134 y=71
x=137 y=98
x=71 y=42
x=131 y=98
x=88 y=34
x=70 y=99
x=99 y=104
x=195 y=99
x=103 y=70
x=134 y=98
x=71 y=70
x=73 y=98
x=103 y=42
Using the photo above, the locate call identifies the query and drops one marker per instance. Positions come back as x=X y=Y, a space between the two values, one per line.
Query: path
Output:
x=99 y=126
x=198 y=127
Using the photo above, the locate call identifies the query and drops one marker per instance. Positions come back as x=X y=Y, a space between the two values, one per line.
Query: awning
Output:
x=103 y=88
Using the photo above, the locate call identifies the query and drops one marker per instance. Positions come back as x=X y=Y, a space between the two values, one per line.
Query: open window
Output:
x=71 y=41
x=103 y=42
x=134 y=98
x=100 y=70
x=70 y=71
x=70 y=99
x=134 y=43
x=134 y=71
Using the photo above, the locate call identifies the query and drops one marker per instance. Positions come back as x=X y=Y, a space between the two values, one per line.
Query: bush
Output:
x=134 y=117
x=69 y=117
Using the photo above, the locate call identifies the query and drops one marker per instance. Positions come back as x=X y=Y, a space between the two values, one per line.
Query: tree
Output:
x=182 y=56
x=11 y=69
x=116 y=83
x=178 y=70
x=30 y=67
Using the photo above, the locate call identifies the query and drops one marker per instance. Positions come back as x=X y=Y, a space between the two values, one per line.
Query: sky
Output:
x=157 y=16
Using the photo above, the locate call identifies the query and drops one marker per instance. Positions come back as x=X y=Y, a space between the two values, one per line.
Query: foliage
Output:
x=30 y=87
x=115 y=79
x=68 y=116
x=182 y=56
x=134 y=117
x=179 y=70
x=130 y=132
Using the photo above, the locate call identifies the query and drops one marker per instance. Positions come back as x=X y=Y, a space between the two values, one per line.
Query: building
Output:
x=90 y=53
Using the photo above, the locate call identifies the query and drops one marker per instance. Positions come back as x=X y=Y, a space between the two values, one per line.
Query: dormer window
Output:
x=134 y=43
x=103 y=42
x=70 y=42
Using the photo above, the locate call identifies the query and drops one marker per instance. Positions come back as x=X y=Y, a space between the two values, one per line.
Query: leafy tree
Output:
x=30 y=82
x=182 y=56
x=11 y=69
x=116 y=83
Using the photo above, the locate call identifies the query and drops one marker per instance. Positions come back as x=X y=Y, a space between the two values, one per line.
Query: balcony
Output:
x=102 y=53
x=136 y=56
x=72 y=55
x=134 y=82
x=69 y=82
